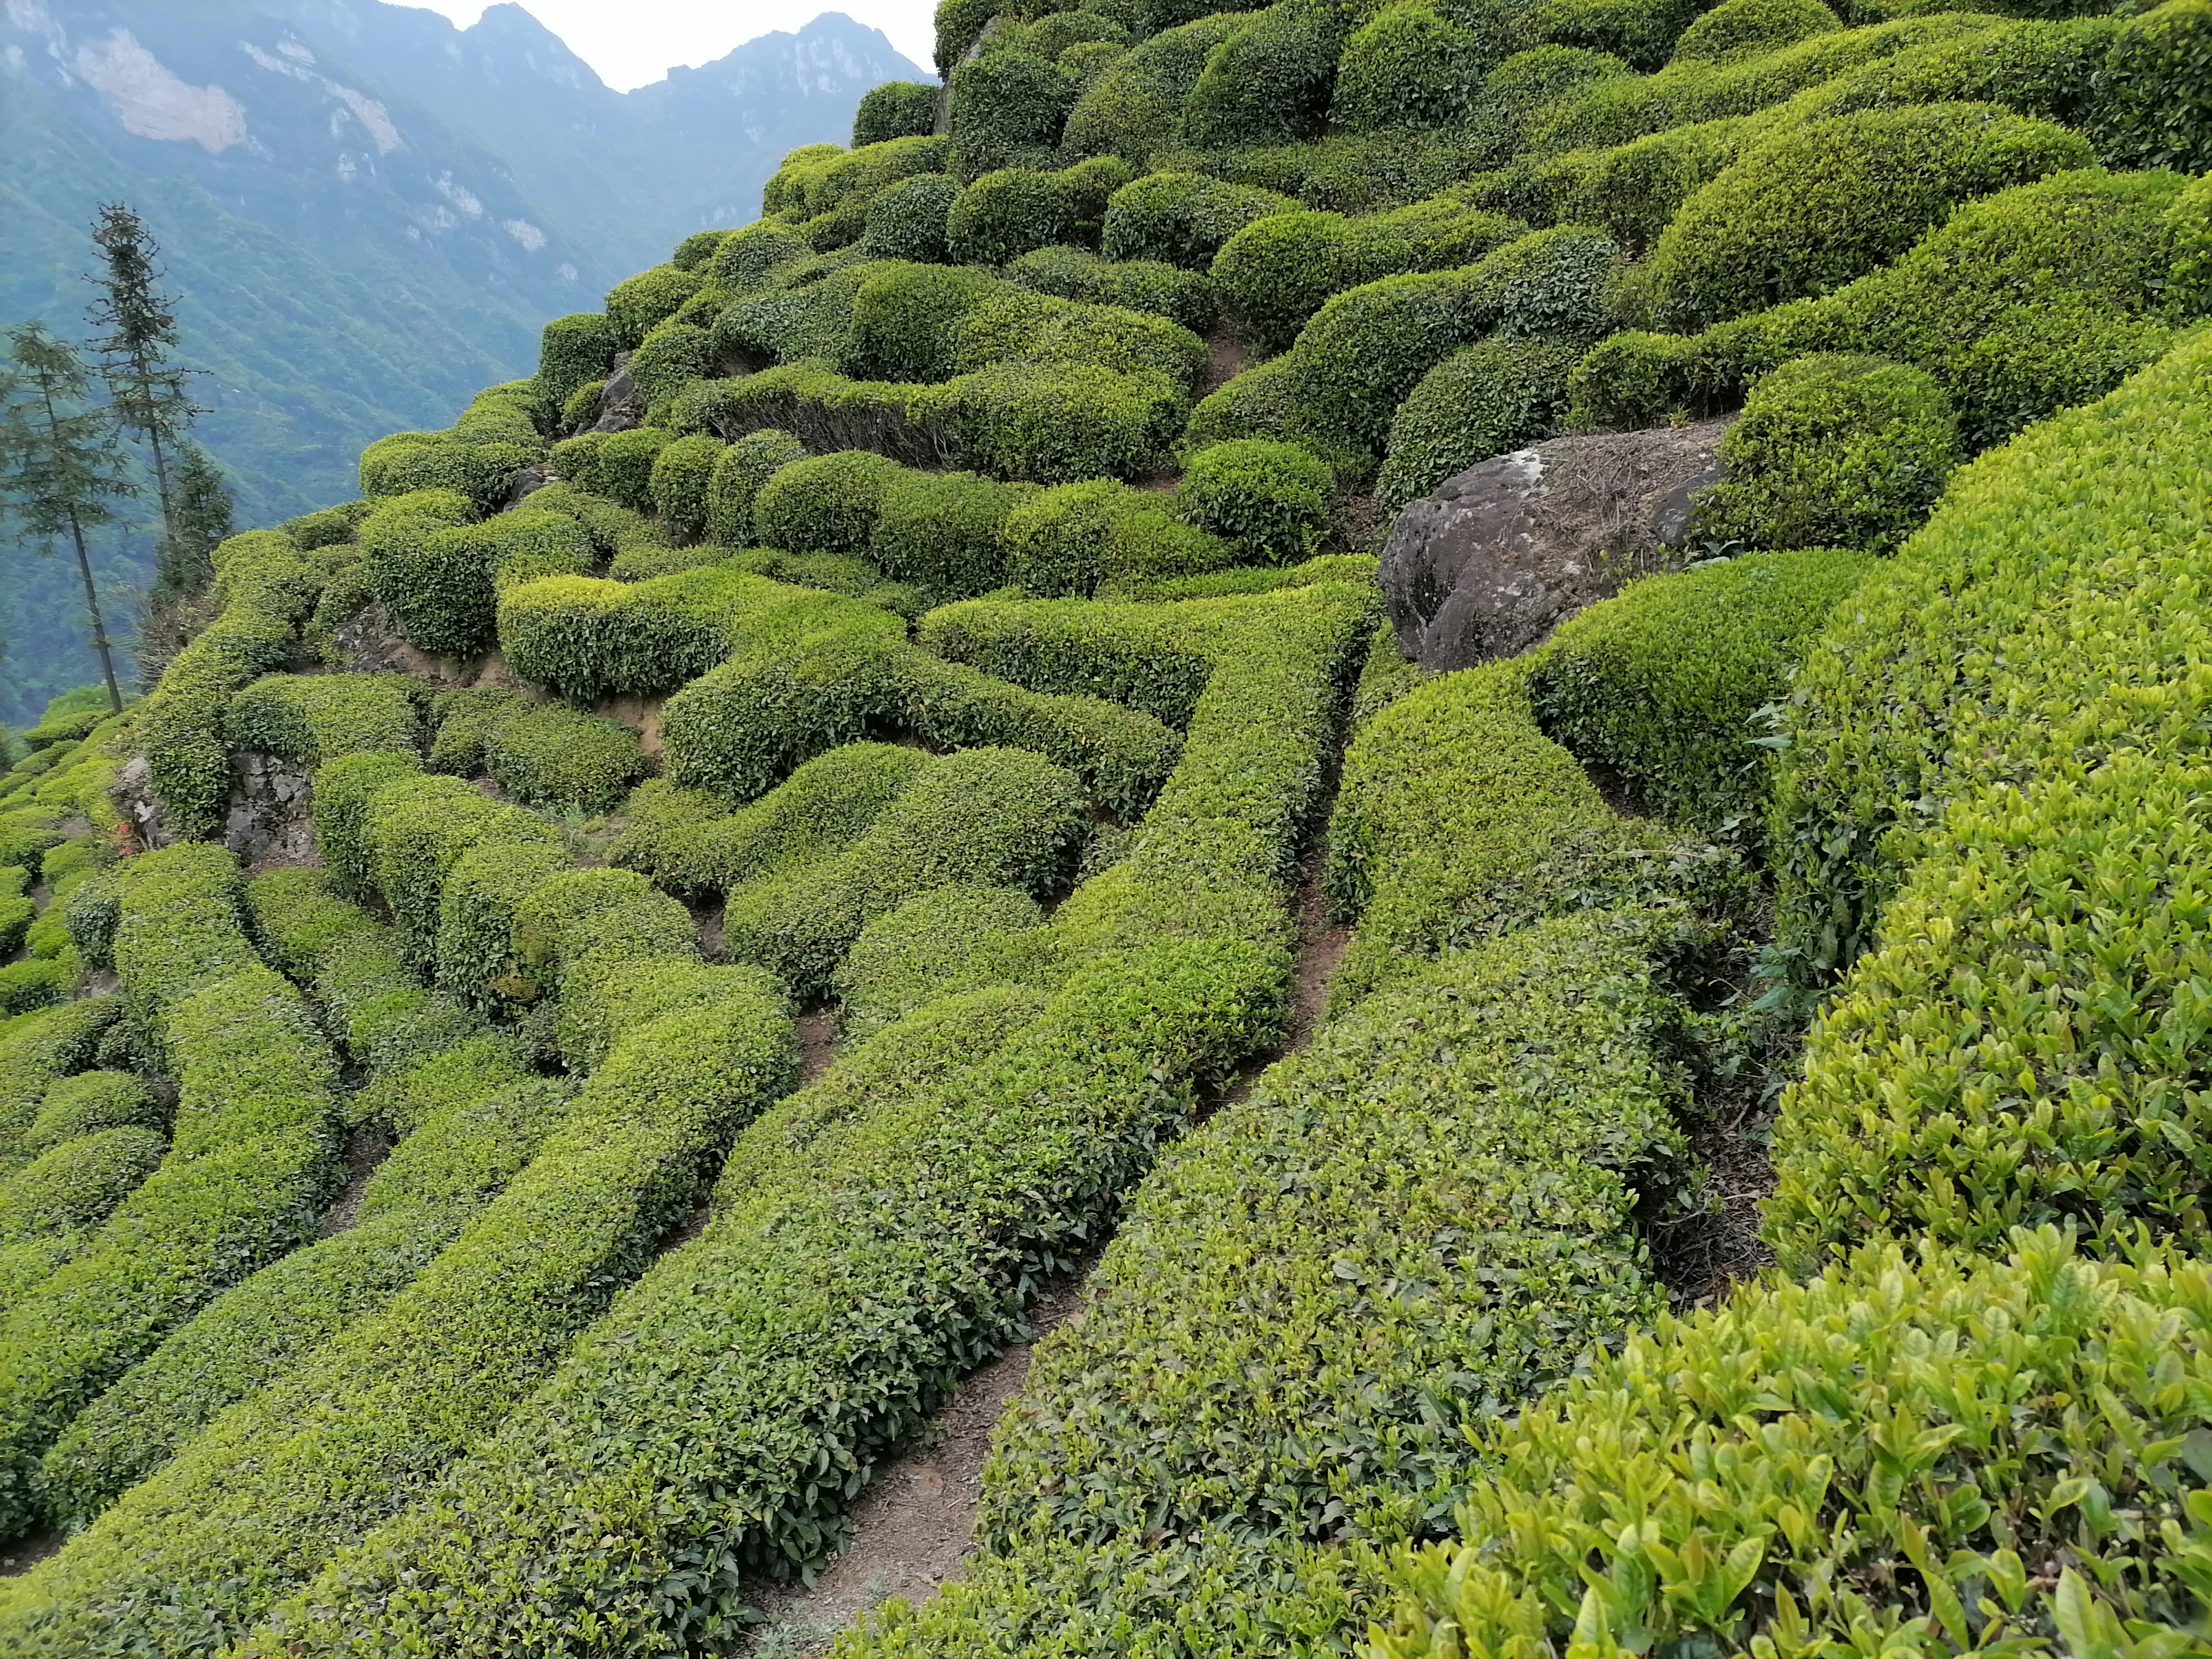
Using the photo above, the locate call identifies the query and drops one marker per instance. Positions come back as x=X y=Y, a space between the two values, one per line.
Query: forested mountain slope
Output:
x=366 y=212
x=825 y=810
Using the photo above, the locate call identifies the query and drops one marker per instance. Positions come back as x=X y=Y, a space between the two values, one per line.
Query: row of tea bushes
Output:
x=1320 y=1302
x=885 y=1227
x=435 y=1075
x=253 y=1159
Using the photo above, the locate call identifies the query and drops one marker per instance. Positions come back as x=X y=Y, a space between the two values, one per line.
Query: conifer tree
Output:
x=145 y=386
x=59 y=466
x=200 y=517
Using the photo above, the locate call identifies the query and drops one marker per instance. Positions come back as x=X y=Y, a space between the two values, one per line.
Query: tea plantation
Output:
x=822 y=814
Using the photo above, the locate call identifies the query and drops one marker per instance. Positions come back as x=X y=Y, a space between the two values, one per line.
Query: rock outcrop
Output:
x=1505 y=551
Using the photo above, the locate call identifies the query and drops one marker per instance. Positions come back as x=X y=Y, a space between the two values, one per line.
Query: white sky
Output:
x=631 y=42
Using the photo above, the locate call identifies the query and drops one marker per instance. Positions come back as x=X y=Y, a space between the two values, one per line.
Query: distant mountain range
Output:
x=367 y=211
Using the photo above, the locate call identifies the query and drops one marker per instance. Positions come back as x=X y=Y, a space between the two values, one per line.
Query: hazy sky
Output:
x=630 y=42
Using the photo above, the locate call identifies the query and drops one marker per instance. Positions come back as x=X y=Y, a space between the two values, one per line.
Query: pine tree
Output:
x=145 y=388
x=200 y=517
x=59 y=466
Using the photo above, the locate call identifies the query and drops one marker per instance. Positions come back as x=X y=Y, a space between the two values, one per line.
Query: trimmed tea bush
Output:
x=1814 y=206
x=896 y=109
x=253 y=1160
x=741 y=471
x=1835 y=451
x=1745 y=28
x=1071 y=273
x=1181 y=218
x=1663 y=682
x=911 y=220
x=557 y=757
x=1479 y=403
x=1005 y=214
x=1272 y=499
x=1717 y=1422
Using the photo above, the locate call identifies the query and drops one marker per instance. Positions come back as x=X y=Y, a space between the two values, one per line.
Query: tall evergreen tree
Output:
x=200 y=517
x=59 y=466
x=145 y=386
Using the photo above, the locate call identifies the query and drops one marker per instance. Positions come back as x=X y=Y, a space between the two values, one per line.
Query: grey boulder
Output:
x=1502 y=554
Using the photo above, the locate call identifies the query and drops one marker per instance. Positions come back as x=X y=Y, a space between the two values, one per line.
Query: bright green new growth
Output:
x=1665 y=684
x=1789 y=1384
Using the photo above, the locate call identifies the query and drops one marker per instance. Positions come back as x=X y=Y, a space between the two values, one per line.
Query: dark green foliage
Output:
x=1744 y=28
x=1051 y=422
x=896 y=109
x=740 y=469
x=1135 y=107
x=1832 y=452
x=692 y=844
x=1643 y=35
x=1409 y=65
x=1993 y=781
x=1072 y=273
x=943 y=531
x=1068 y=539
x=746 y=258
x=340 y=1443
x=265 y=588
x=999 y=817
x=1272 y=499
x=1008 y=109
x=672 y=356
x=683 y=478
x=464 y=721
x=576 y=350
x=1450 y=794
x=622 y=467
x=1814 y=206
x=443 y=584
x=332 y=527
x=639 y=304
x=1269 y=84
x=1182 y=218
x=90 y=1102
x=2152 y=101
x=698 y=249
x=1531 y=84
x=1889 y=1337
x=1305 y=1320
x=943 y=942
x=308 y=719
x=908 y=220
x=959 y=23
x=52 y=1208
x=36 y=983
x=905 y=321
x=558 y=756
x=1006 y=214
x=1367 y=348
x=253 y=1156
x=582 y=407
x=1276 y=272
x=1089 y=185
x=1489 y=398
x=2020 y=304
x=823 y=504
x=1662 y=683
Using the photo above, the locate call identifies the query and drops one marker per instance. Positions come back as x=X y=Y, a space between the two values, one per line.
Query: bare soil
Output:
x=1228 y=354
x=365 y=1150
x=20 y=1555
x=914 y=1526
x=818 y=1039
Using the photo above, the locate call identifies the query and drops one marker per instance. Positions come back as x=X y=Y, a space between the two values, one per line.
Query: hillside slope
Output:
x=816 y=816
